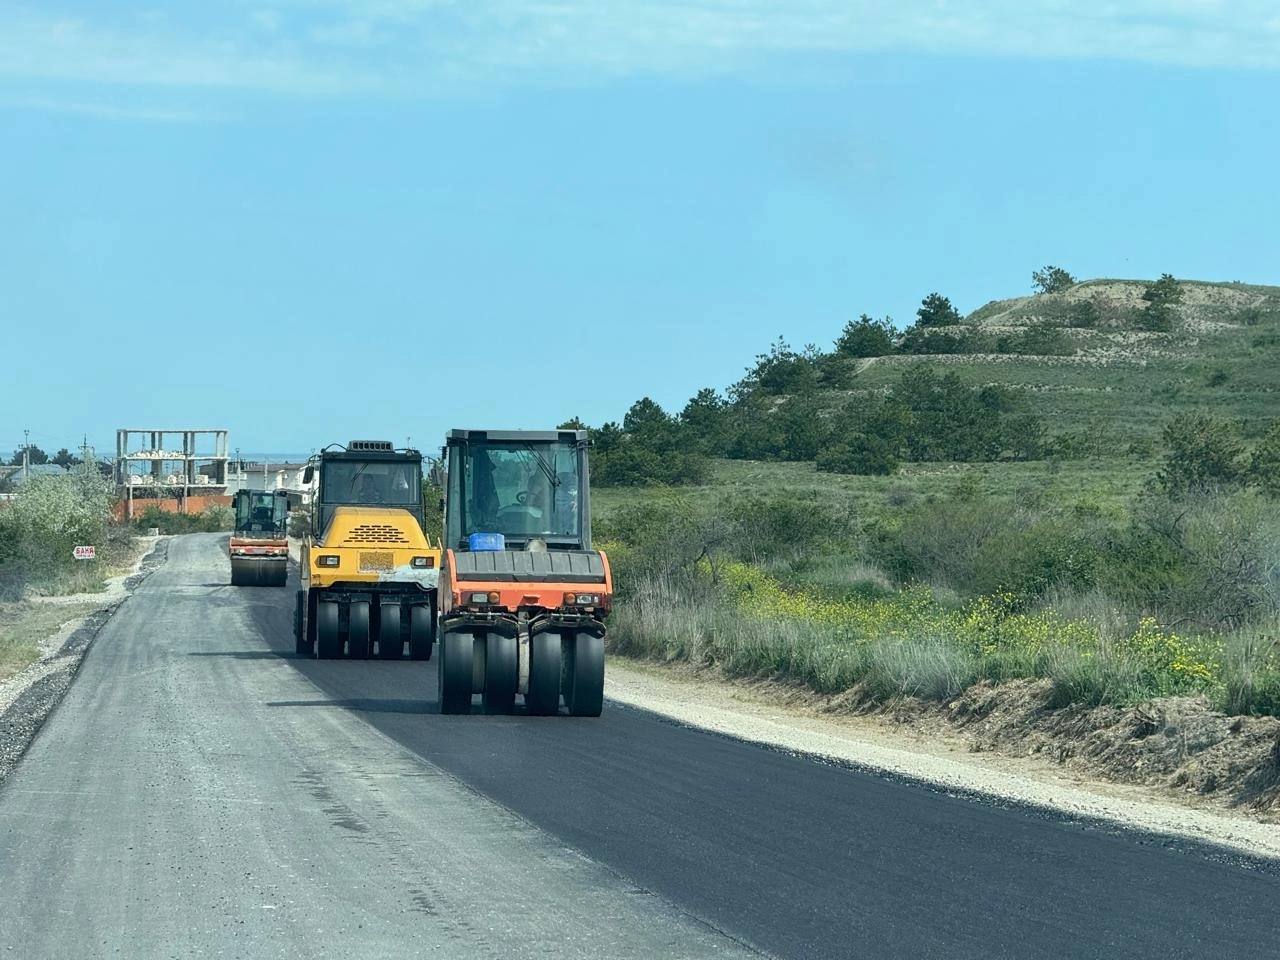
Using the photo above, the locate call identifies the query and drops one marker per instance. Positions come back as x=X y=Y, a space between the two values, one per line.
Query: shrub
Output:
x=1251 y=673
x=1264 y=465
x=1157 y=318
x=1201 y=453
x=921 y=340
x=213 y=519
x=632 y=463
x=1211 y=560
x=1083 y=314
x=859 y=454
x=40 y=527
x=1038 y=339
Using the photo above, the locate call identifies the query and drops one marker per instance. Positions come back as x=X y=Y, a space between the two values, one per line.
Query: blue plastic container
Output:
x=486 y=541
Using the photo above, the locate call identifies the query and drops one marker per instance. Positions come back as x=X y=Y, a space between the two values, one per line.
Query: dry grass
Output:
x=24 y=625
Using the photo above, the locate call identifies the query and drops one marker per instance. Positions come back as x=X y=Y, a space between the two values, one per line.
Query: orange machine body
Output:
x=504 y=596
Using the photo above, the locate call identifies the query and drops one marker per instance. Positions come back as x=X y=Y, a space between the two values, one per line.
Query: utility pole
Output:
x=26 y=455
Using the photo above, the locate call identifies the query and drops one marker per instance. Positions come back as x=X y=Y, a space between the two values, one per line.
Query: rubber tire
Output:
x=328 y=636
x=501 y=673
x=390 y=640
x=457 y=651
x=422 y=631
x=543 y=698
x=301 y=645
x=359 y=635
x=584 y=676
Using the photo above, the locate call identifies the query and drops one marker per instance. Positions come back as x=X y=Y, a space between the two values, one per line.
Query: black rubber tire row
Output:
x=568 y=664
x=360 y=636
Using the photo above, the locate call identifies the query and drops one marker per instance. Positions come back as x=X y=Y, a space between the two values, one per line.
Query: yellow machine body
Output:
x=370 y=545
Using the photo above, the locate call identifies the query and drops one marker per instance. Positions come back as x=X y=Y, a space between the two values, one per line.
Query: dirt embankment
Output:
x=1176 y=744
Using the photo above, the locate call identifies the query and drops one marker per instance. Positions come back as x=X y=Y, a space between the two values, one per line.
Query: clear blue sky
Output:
x=313 y=220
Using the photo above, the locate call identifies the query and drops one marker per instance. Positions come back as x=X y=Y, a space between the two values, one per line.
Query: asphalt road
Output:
x=202 y=792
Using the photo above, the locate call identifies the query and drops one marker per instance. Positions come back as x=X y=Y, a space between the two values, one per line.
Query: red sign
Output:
x=85 y=553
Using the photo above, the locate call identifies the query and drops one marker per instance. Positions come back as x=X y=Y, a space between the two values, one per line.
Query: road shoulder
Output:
x=28 y=697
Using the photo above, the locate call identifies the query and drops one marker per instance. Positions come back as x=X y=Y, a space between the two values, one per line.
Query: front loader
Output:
x=259 y=545
x=523 y=597
x=368 y=569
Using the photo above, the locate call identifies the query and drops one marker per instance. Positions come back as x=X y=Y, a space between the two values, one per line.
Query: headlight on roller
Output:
x=581 y=599
x=328 y=560
x=424 y=563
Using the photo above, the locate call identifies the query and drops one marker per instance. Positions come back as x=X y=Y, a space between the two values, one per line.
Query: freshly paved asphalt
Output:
x=202 y=792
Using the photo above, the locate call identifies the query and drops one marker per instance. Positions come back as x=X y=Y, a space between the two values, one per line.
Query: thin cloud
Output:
x=439 y=47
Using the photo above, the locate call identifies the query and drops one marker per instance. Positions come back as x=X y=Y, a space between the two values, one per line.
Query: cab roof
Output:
x=517 y=436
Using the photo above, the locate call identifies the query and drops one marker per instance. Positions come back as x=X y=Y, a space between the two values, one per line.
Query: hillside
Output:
x=1123 y=384
x=1102 y=401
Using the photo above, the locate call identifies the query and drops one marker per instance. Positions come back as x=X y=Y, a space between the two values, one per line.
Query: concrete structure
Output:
x=170 y=464
x=250 y=475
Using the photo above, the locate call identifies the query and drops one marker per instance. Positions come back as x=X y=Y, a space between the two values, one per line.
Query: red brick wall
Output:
x=195 y=504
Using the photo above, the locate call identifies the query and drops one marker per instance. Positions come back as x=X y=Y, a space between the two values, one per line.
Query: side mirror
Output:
x=308 y=473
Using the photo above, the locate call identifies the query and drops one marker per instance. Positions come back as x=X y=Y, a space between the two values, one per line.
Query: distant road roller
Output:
x=523 y=597
x=368 y=570
x=259 y=545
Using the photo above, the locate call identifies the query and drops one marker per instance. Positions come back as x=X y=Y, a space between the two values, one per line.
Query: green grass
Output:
x=1109 y=484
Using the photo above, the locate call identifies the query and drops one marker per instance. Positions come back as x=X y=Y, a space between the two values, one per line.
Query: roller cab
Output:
x=259 y=544
x=523 y=596
x=369 y=573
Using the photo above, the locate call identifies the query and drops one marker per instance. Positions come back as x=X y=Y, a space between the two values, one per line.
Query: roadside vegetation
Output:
x=40 y=528
x=213 y=519
x=935 y=528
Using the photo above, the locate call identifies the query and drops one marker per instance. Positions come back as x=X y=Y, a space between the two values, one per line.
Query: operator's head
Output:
x=370 y=487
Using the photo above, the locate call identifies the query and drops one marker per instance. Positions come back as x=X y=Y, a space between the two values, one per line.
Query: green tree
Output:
x=607 y=438
x=646 y=417
x=705 y=419
x=1202 y=453
x=866 y=337
x=1264 y=465
x=937 y=311
x=573 y=423
x=1161 y=297
x=779 y=372
x=37 y=456
x=1052 y=279
x=65 y=459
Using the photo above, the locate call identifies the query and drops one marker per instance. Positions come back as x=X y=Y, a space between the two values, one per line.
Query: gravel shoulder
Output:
x=29 y=696
x=779 y=718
